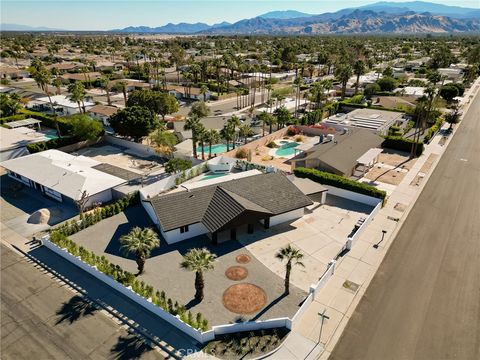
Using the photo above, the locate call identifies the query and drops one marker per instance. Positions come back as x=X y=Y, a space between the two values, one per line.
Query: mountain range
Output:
x=381 y=17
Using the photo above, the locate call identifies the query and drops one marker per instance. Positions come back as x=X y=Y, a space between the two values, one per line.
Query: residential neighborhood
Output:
x=287 y=186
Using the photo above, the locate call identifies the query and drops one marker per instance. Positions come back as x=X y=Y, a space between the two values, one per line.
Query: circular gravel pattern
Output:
x=236 y=273
x=243 y=259
x=244 y=298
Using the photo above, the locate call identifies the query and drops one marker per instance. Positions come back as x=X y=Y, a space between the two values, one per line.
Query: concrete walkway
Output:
x=360 y=264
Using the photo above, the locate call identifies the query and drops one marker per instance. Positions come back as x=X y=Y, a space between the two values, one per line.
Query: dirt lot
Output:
x=391 y=168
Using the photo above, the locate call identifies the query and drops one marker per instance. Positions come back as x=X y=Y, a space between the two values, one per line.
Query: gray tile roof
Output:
x=216 y=205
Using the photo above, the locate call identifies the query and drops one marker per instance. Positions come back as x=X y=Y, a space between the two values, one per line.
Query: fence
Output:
x=354 y=196
x=171 y=319
x=352 y=239
x=140 y=149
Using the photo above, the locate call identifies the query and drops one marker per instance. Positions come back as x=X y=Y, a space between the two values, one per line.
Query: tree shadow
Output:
x=268 y=307
x=192 y=303
x=76 y=308
x=130 y=347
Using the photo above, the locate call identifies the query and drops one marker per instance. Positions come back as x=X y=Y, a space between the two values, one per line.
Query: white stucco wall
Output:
x=150 y=211
x=174 y=236
x=288 y=216
x=101 y=197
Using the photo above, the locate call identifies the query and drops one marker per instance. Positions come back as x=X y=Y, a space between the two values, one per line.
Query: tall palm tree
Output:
x=123 y=86
x=201 y=134
x=343 y=72
x=211 y=137
x=77 y=94
x=293 y=256
x=358 y=69
x=105 y=81
x=228 y=134
x=140 y=242
x=204 y=91
x=193 y=123
x=245 y=131
x=198 y=261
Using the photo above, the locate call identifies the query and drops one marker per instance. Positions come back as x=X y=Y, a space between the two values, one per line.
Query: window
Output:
x=184 y=229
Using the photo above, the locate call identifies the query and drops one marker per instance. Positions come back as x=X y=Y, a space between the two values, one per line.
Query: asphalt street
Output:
x=424 y=301
x=41 y=319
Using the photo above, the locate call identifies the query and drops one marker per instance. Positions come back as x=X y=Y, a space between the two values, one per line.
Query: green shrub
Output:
x=51 y=144
x=433 y=130
x=241 y=154
x=341 y=182
x=271 y=145
x=402 y=144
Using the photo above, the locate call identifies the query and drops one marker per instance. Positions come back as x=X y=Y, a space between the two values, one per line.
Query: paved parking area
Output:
x=18 y=202
x=164 y=273
x=320 y=235
x=41 y=319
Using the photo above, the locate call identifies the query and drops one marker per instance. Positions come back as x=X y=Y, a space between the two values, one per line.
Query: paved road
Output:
x=40 y=319
x=424 y=301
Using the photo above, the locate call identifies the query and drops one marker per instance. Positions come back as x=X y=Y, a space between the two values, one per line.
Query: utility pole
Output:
x=324 y=317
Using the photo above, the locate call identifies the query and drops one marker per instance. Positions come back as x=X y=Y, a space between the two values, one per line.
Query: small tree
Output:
x=176 y=165
x=9 y=104
x=199 y=109
x=293 y=257
x=164 y=140
x=448 y=92
x=82 y=201
x=387 y=83
x=134 y=121
x=453 y=117
x=198 y=261
x=85 y=128
x=139 y=242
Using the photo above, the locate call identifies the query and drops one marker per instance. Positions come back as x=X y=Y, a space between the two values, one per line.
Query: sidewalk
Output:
x=360 y=264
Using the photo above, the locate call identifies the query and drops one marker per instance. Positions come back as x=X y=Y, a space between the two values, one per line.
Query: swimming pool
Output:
x=216 y=149
x=50 y=137
x=212 y=176
x=287 y=149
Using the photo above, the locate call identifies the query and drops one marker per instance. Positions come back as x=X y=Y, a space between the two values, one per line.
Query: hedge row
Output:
x=433 y=130
x=47 y=120
x=128 y=279
x=100 y=213
x=341 y=182
x=376 y=107
x=51 y=144
x=402 y=144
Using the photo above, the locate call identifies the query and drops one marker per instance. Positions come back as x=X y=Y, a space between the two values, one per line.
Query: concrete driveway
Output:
x=320 y=235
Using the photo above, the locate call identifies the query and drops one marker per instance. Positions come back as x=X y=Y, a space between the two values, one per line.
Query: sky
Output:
x=115 y=14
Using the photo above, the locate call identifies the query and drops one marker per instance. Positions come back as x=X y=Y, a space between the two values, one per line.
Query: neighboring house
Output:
x=338 y=154
x=181 y=92
x=61 y=103
x=453 y=74
x=415 y=91
x=89 y=76
x=64 y=67
x=12 y=73
x=219 y=210
x=102 y=113
x=372 y=119
x=131 y=84
x=13 y=142
x=64 y=177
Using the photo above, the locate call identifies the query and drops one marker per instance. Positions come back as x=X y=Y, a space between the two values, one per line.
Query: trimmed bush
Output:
x=433 y=130
x=241 y=154
x=341 y=182
x=402 y=144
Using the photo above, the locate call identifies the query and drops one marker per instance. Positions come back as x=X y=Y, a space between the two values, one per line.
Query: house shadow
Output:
x=269 y=306
x=76 y=308
x=347 y=204
x=130 y=347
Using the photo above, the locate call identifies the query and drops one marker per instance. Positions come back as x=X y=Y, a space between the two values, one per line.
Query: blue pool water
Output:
x=216 y=149
x=48 y=136
x=212 y=176
x=287 y=149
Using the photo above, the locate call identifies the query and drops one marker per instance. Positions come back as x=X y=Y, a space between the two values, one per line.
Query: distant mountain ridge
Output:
x=284 y=14
x=19 y=27
x=181 y=28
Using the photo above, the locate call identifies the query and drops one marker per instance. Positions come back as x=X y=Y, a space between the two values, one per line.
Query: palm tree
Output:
x=203 y=91
x=192 y=124
x=198 y=261
x=123 y=86
x=211 y=137
x=245 y=131
x=139 y=242
x=293 y=256
x=343 y=72
x=77 y=94
x=201 y=135
x=265 y=118
x=105 y=81
x=228 y=134
x=358 y=69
